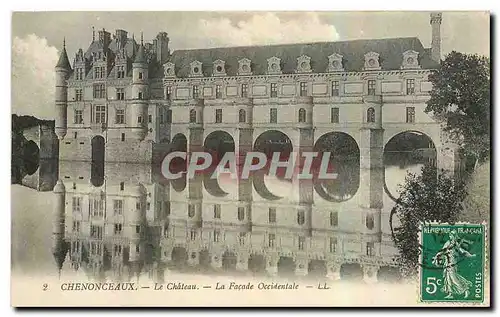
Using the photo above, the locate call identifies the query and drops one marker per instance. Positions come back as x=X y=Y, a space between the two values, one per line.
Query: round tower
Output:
x=138 y=114
x=63 y=70
x=59 y=247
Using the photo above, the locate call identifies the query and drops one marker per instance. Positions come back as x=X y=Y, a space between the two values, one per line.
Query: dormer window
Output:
x=274 y=65
x=304 y=64
x=372 y=61
x=196 y=70
x=335 y=63
x=244 y=66
x=219 y=68
x=410 y=60
x=120 y=71
x=169 y=69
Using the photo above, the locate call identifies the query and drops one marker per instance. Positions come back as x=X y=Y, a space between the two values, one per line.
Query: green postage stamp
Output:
x=452 y=263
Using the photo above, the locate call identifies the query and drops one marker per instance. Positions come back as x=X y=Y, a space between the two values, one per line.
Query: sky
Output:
x=37 y=37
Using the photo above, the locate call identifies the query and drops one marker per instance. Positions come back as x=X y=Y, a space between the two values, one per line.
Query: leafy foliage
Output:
x=429 y=197
x=460 y=98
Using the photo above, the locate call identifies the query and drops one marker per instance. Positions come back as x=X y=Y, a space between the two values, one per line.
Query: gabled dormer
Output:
x=244 y=66
x=303 y=64
x=335 y=63
x=169 y=69
x=372 y=61
x=274 y=65
x=121 y=63
x=81 y=65
x=410 y=60
x=219 y=68
x=196 y=69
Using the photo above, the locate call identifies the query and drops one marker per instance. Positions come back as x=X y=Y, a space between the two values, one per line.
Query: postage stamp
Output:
x=452 y=263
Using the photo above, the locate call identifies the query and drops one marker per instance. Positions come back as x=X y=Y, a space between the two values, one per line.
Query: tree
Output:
x=460 y=98
x=428 y=197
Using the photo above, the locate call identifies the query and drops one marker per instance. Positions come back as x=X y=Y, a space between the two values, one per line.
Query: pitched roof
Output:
x=141 y=55
x=63 y=60
x=390 y=50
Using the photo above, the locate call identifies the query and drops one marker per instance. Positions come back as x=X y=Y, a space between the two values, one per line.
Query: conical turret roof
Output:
x=63 y=59
x=141 y=56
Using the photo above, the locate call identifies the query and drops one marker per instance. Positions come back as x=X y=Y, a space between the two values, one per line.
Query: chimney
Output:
x=436 y=18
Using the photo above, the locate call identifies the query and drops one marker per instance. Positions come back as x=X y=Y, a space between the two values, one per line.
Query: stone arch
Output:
x=31 y=157
x=257 y=264
x=179 y=256
x=344 y=160
x=229 y=261
x=268 y=142
x=179 y=144
x=317 y=268
x=406 y=151
x=351 y=271
x=97 y=163
x=286 y=266
x=217 y=143
x=205 y=259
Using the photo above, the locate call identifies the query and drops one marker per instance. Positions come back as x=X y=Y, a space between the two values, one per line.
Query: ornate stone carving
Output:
x=410 y=60
x=196 y=69
x=244 y=66
x=372 y=61
x=335 y=63
x=303 y=64
x=219 y=68
x=169 y=69
x=274 y=65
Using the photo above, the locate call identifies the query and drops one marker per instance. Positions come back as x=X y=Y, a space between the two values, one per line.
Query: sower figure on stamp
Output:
x=447 y=257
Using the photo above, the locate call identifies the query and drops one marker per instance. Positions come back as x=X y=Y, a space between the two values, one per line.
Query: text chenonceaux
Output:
x=174 y=286
x=254 y=161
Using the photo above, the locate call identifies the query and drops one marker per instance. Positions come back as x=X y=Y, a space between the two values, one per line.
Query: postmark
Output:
x=453 y=266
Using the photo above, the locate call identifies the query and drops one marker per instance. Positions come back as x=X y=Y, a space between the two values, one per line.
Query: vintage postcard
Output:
x=333 y=159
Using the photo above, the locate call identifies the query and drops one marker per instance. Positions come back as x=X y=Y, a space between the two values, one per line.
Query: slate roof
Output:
x=63 y=60
x=141 y=55
x=390 y=50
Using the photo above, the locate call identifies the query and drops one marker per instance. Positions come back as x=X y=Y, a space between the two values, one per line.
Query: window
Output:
x=241 y=213
x=303 y=89
x=273 y=113
x=334 y=219
x=75 y=135
x=120 y=72
x=162 y=118
x=78 y=116
x=118 y=228
x=335 y=88
x=169 y=116
x=137 y=248
x=139 y=119
x=168 y=93
x=120 y=116
x=118 y=207
x=216 y=211
x=410 y=86
x=218 y=91
x=302 y=242
x=242 y=116
x=334 y=115
x=138 y=205
x=100 y=114
x=272 y=215
x=96 y=208
x=410 y=114
x=193 y=235
x=369 y=222
x=117 y=250
x=218 y=115
x=241 y=238
x=96 y=231
x=140 y=75
x=244 y=90
x=76 y=226
x=99 y=91
x=370 y=248
x=120 y=94
x=99 y=72
x=274 y=90
x=302 y=115
x=150 y=118
x=216 y=235
x=192 y=116
x=79 y=74
x=148 y=205
x=79 y=94
x=271 y=240
x=333 y=245
x=301 y=217
x=122 y=186
x=137 y=229
x=371 y=87
x=140 y=95
x=191 y=211
x=196 y=92
x=370 y=115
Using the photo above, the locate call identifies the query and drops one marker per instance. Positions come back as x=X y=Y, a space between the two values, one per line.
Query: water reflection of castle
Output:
x=136 y=224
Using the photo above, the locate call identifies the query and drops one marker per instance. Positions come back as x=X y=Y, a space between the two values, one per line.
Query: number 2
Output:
x=45 y=286
x=432 y=284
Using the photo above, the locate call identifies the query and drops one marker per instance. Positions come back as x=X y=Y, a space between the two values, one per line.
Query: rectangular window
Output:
x=218 y=91
x=371 y=87
x=273 y=113
x=97 y=73
x=122 y=186
x=334 y=219
x=302 y=242
x=196 y=92
x=193 y=235
x=216 y=211
x=79 y=74
x=139 y=119
x=96 y=231
x=301 y=217
x=138 y=206
x=75 y=135
x=218 y=115
x=137 y=229
x=77 y=204
x=168 y=92
x=118 y=228
x=335 y=88
x=150 y=118
x=120 y=93
x=242 y=238
x=370 y=248
x=410 y=86
x=118 y=207
x=271 y=240
x=76 y=226
x=96 y=208
x=100 y=114
x=79 y=94
x=169 y=116
x=120 y=72
x=274 y=90
x=140 y=95
x=244 y=90
x=241 y=213
x=334 y=115
x=333 y=245
x=303 y=89
x=78 y=117
x=140 y=75
x=99 y=91
x=120 y=116
x=410 y=114
x=272 y=215
x=216 y=235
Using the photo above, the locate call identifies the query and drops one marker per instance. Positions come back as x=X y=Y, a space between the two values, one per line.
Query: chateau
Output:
x=123 y=104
